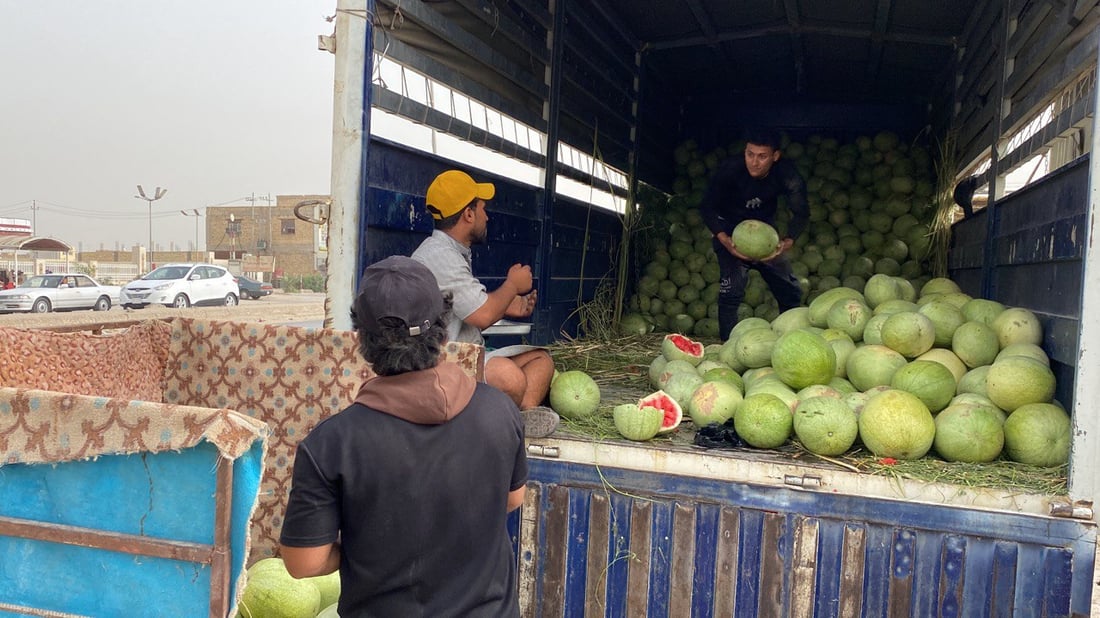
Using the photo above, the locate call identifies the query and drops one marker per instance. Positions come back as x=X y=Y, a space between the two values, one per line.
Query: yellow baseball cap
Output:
x=453 y=190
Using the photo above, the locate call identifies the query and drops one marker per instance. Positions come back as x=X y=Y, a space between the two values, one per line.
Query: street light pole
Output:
x=196 y=214
x=156 y=196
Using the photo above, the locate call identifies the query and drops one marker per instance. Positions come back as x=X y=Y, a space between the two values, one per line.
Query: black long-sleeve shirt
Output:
x=733 y=196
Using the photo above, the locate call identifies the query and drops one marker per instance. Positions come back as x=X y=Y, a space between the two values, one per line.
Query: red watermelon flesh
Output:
x=687 y=345
x=672 y=411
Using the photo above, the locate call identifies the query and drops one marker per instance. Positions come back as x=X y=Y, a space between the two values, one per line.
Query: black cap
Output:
x=399 y=287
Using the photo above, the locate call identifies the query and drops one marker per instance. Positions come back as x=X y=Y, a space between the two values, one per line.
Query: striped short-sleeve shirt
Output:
x=451 y=263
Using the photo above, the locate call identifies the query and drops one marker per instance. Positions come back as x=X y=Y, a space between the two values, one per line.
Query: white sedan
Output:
x=58 y=292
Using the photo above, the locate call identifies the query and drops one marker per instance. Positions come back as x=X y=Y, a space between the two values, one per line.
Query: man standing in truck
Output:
x=389 y=491
x=457 y=205
x=749 y=188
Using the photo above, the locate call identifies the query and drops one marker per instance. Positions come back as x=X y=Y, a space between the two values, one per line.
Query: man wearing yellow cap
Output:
x=457 y=205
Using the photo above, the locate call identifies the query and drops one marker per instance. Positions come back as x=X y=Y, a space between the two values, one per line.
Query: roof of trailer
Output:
x=884 y=51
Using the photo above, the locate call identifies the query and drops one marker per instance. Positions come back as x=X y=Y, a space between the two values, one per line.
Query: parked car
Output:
x=182 y=285
x=58 y=292
x=250 y=288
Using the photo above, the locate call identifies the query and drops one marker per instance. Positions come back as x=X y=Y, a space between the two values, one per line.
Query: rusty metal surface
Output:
x=637 y=589
x=526 y=535
x=727 y=555
x=114 y=541
x=555 y=550
x=599 y=545
x=850 y=599
x=682 y=560
x=774 y=557
x=220 y=565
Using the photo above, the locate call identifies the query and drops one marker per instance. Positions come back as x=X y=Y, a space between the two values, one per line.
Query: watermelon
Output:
x=671 y=410
x=713 y=402
x=271 y=592
x=635 y=423
x=680 y=347
x=825 y=425
x=328 y=586
x=763 y=420
x=897 y=424
x=1038 y=434
x=755 y=239
x=574 y=394
x=801 y=358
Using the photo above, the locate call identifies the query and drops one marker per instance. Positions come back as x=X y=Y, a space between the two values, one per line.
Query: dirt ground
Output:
x=279 y=308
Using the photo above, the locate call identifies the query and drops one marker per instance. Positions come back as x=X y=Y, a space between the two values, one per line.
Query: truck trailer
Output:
x=570 y=102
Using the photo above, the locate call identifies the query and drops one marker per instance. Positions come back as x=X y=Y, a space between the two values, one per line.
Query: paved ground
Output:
x=281 y=308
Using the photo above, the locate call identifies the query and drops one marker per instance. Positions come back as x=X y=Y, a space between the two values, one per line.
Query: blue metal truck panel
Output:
x=1038 y=262
x=620 y=542
x=584 y=239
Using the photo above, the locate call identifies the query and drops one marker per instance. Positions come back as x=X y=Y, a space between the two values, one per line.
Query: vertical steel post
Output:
x=996 y=183
x=552 y=113
x=350 y=140
x=1084 y=480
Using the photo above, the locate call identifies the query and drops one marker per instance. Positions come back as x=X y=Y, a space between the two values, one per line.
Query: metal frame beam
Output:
x=463 y=41
x=1084 y=482
x=794 y=19
x=784 y=28
x=490 y=14
x=556 y=43
x=878 y=36
x=412 y=57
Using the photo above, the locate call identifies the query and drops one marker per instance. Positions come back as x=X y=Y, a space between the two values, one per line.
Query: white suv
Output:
x=182 y=285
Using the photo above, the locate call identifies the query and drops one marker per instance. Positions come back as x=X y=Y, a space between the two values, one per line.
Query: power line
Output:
x=74 y=211
x=111 y=216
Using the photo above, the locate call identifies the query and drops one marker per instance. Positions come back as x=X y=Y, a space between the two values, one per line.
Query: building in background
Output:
x=264 y=240
x=268 y=238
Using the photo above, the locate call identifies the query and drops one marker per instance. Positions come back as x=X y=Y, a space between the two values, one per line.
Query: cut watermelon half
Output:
x=673 y=414
x=679 y=347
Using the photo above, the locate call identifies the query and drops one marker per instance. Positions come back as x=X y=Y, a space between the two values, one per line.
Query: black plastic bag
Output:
x=718 y=436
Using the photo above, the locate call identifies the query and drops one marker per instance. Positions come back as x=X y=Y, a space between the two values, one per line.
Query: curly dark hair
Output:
x=393 y=351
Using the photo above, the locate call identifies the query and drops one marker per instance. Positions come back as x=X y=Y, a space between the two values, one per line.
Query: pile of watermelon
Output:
x=271 y=592
x=903 y=373
x=871 y=203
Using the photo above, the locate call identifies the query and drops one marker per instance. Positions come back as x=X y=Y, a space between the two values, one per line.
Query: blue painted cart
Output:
x=111 y=508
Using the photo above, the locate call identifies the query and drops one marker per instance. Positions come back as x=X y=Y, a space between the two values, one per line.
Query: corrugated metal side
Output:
x=583 y=242
x=1037 y=262
x=598 y=541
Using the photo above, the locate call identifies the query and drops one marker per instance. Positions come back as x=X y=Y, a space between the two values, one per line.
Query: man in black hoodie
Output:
x=749 y=188
x=407 y=491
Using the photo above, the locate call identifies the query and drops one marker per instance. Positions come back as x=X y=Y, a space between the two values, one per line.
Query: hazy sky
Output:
x=213 y=100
